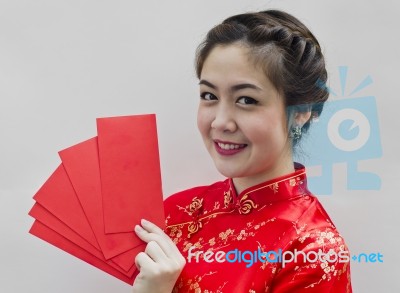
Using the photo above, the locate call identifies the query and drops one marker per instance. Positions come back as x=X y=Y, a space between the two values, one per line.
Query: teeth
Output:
x=228 y=146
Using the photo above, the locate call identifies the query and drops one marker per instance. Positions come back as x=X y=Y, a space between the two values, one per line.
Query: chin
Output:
x=229 y=172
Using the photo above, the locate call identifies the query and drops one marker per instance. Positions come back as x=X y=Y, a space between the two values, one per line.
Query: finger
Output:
x=169 y=249
x=143 y=262
x=154 y=233
x=151 y=232
x=156 y=253
x=151 y=227
x=145 y=235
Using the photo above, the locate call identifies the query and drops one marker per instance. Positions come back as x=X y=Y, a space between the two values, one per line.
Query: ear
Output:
x=301 y=118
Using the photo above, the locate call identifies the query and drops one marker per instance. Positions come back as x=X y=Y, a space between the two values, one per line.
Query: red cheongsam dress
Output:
x=272 y=237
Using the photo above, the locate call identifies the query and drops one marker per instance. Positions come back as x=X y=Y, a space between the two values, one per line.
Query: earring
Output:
x=295 y=132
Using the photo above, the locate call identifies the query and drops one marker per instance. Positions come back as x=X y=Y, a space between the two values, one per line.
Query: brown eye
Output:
x=247 y=101
x=208 y=96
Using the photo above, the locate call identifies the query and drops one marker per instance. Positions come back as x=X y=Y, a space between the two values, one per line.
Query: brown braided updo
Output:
x=287 y=52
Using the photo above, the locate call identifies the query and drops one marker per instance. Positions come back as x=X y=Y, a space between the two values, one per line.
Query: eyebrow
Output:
x=234 y=88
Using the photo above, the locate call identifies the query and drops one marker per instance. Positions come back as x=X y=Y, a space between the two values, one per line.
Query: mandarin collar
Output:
x=284 y=187
x=256 y=197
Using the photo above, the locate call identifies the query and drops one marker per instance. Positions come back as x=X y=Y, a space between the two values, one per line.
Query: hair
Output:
x=288 y=53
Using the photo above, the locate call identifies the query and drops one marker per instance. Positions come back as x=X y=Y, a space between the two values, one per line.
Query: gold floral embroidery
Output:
x=227 y=198
x=227 y=236
x=216 y=205
x=195 y=205
x=274 y=187
x=195 y=284
x=218 y=240
x=245 y=205
x=295 y=181
x=187 y=245
x=329 y=242
x=167 y=218
x=224 y=235
x=211 y=241
x=201 y=216
x=194 y=208
x=194 y=227
x=242 y=235
x=175 y=233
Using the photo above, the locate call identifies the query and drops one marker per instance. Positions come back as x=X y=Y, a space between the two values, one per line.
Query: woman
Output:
x=260 y=230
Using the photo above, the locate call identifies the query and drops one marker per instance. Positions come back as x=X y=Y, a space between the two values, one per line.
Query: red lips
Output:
x=226 y=148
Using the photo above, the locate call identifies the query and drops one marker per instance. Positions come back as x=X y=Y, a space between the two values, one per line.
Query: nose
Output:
x=224 y=119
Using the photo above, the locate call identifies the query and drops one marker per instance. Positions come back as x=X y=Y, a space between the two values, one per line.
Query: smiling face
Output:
x=241 y=118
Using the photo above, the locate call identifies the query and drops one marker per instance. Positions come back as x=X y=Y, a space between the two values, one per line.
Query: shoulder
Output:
x=317 y=261
x=179 y=206
x=308 y=214
x=317 y=257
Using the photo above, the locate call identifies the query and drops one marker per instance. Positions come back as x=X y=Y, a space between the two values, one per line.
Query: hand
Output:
x=160 y=264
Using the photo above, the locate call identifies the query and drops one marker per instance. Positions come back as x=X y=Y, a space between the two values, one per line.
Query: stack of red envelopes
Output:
x=101 y=190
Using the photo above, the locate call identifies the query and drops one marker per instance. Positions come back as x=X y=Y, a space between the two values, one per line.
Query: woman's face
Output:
x=241 y=117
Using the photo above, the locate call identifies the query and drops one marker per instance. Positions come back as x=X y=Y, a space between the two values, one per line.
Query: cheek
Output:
x=203 y=121
x=264 y=132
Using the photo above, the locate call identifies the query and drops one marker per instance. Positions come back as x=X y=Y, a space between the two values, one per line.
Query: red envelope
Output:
x=81 y=163
x=43 y=232
x=42 y=215
x=130 y=172
x=104 y=185
x=58 y=197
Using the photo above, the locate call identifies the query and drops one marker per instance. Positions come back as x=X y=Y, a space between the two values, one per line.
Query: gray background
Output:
x=64 y=63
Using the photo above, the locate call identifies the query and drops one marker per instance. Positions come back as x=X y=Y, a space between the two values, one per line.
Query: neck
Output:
x=281 y=169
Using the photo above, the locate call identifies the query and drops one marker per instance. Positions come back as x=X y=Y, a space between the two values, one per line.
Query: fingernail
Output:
x=138 y=228
x=145 y=222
